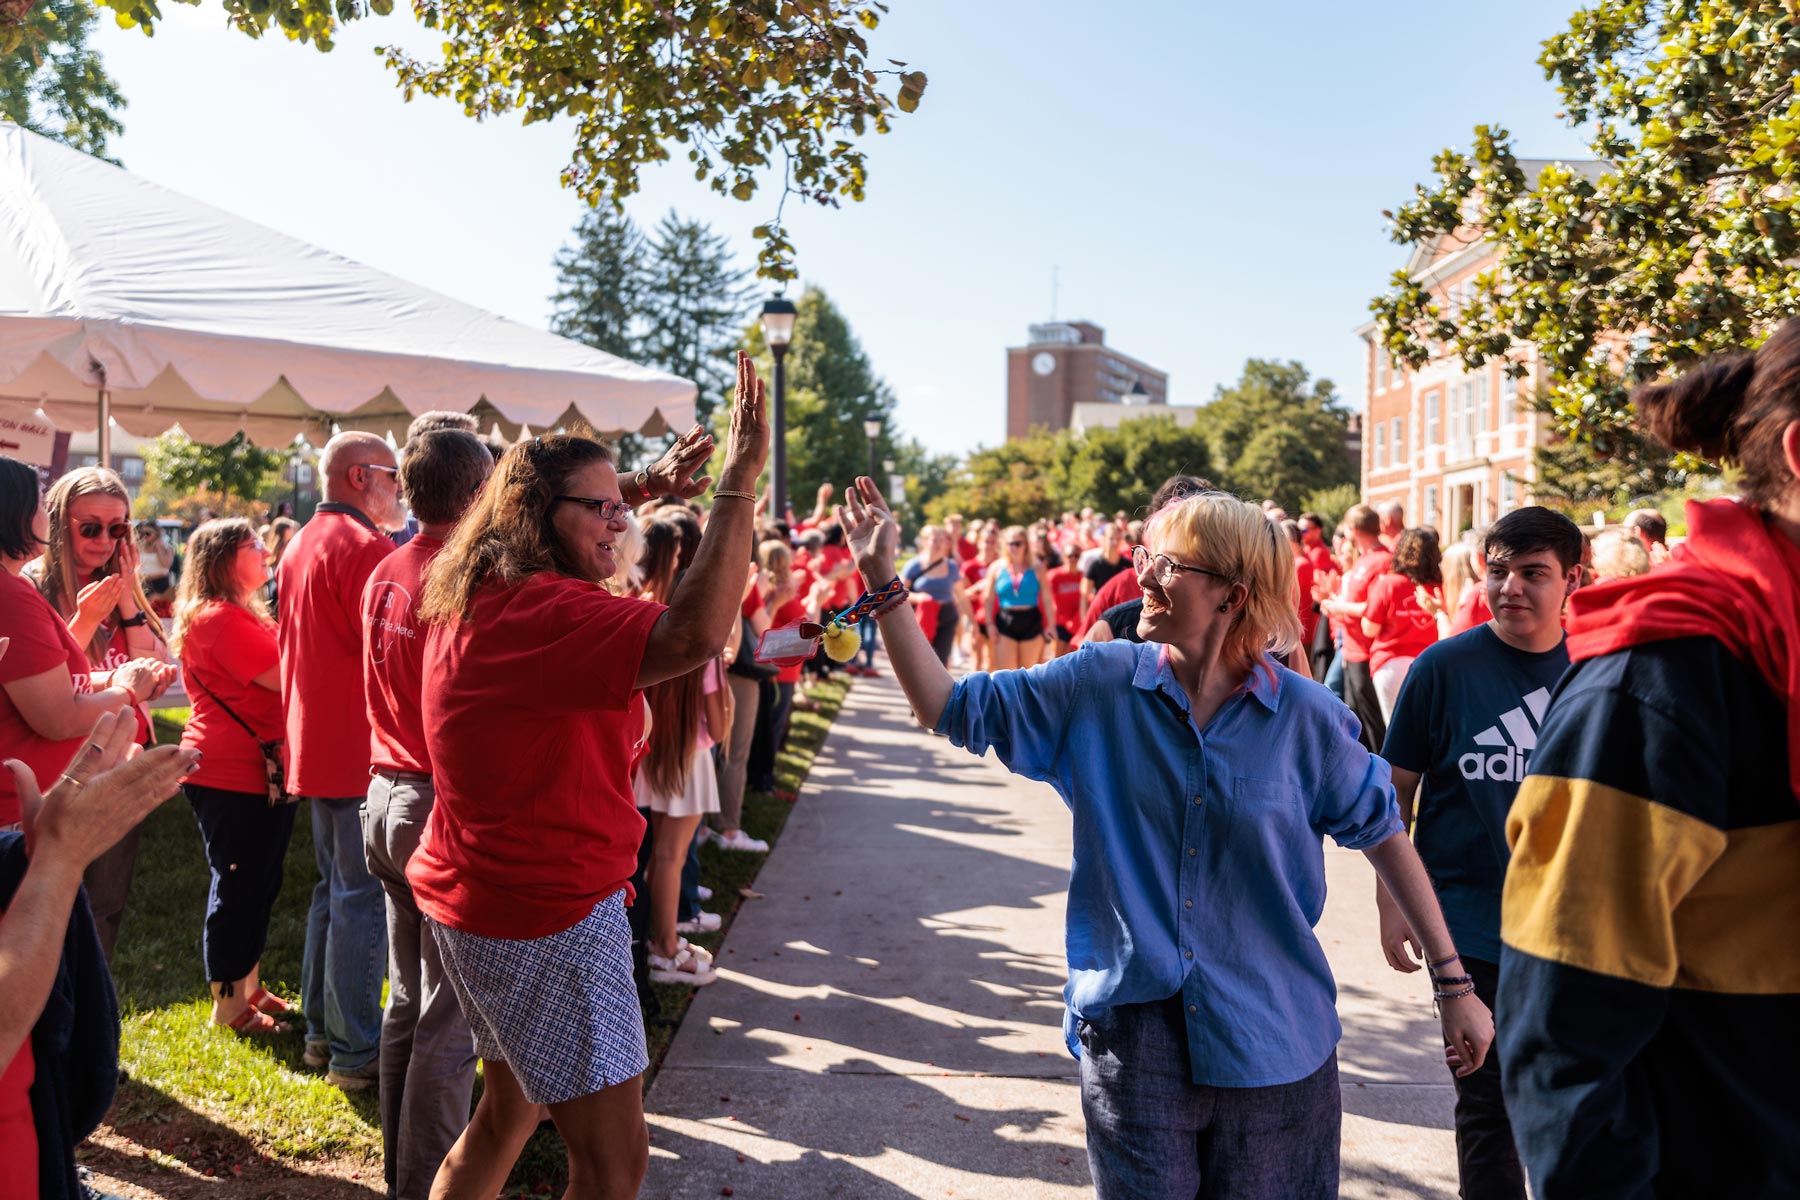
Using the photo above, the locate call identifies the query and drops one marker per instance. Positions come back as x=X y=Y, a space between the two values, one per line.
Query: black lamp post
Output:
x=873 y=429
x=778 y=330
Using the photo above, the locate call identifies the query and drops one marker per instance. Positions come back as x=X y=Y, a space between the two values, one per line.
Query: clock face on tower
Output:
x=1044 y=363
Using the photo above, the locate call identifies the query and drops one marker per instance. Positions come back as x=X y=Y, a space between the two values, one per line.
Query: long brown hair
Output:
x=506 y=536
x=59 y=582
x=677 y=706
x=210 y=574
x=1734 y=408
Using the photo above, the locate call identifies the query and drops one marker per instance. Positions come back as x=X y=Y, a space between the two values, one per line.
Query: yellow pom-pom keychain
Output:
x=841 y=642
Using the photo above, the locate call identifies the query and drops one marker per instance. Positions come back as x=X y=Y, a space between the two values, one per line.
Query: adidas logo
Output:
x=1509 y=763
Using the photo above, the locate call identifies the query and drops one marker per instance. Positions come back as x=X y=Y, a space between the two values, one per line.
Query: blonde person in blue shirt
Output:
x=1202 y=778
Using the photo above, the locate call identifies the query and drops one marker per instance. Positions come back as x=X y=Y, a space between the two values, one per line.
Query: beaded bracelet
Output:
x=1444 y=981
x=1466 y=990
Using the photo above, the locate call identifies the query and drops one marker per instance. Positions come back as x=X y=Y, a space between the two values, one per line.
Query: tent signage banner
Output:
x=26 y=436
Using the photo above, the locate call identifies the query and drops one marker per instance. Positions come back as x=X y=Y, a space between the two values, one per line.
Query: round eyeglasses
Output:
x=1163 y=568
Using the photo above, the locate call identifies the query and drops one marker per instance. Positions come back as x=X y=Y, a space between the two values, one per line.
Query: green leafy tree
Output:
x=1007 y=483
x=52 y=83
x=177 y=468
x=1278 y=433
x=600 y=284
x=1119 y=469
x=693 y=302
x=750 y=88
x=831 y=390
x=1685 y=240
x=1331 y=503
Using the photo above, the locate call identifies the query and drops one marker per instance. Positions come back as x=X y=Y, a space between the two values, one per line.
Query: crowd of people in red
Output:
x=514 y=714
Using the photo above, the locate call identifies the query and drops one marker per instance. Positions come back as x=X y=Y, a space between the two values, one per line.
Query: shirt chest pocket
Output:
x=1268 y=804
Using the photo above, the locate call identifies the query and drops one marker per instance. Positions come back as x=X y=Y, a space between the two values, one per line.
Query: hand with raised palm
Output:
x=871 y=530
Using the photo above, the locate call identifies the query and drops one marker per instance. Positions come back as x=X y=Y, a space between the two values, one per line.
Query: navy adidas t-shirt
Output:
x=1466 y=721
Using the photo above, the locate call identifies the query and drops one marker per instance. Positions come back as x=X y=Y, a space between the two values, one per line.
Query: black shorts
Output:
x=1020 y=624
x=1064 y=634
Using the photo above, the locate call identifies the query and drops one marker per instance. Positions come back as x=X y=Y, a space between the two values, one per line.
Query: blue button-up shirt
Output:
x=1199 y=860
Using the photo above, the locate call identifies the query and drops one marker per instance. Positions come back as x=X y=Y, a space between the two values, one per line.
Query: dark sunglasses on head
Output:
x=93 y=529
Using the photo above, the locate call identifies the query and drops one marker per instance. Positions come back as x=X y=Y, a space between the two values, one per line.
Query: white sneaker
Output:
x=704 y=891
x=705 y=922
x=739 y=840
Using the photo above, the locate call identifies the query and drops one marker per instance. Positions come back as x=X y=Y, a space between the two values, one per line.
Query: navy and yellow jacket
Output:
x=1649 y=1004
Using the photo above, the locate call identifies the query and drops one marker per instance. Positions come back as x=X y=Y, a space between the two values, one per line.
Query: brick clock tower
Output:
x=1066 y=363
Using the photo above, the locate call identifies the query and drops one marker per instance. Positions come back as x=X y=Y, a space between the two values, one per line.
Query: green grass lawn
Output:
x=251 y=1097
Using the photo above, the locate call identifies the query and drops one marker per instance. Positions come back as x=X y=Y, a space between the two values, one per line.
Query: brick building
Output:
x=1456 y=447
x=1066 y=363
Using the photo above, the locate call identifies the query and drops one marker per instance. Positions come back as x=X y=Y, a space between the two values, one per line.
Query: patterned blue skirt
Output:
x=560 y=1011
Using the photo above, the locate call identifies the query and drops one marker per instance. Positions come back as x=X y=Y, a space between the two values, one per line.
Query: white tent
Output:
x=120 y=296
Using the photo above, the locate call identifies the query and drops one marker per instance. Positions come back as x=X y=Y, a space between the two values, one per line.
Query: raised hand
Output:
x=748 y=449
x=673 y=473
x=106 y=790
x=871 y=530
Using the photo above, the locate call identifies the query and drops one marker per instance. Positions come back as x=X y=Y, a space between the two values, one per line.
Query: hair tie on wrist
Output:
x=1443 y=962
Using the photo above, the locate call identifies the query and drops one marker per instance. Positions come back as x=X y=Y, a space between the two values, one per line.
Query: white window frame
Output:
x=1509 y=399
x=1380 y=445
x=1397 y=440
x=1433 y=411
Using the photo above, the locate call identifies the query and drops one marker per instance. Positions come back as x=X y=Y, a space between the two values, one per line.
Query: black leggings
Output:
x=944 y=640
x=1020 y=624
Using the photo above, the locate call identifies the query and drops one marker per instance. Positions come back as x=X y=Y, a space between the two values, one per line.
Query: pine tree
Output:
x=694 y=299
x=600 y=284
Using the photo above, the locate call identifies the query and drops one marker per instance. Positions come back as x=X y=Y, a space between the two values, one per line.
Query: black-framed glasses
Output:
x=94 y=529
x=609 y=510
x=1165 y=568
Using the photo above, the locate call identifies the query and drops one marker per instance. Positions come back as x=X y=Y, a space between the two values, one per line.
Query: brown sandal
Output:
x=254 y=1023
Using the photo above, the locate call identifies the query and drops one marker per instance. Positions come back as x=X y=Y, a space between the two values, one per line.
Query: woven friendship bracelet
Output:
x=868 y=602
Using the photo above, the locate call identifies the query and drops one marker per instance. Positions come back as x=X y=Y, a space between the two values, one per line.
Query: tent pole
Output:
x=105 y=442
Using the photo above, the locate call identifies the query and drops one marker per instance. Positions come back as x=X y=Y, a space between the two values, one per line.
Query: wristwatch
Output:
x=133 y=622
x=642 y=480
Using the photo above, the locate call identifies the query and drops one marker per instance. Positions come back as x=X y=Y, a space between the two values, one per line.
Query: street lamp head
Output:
x=778 y=322
x=888 y=465
x=872 y=428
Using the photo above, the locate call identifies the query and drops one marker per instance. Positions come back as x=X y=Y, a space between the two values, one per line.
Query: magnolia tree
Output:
x=746 y=89
x=1685 y=245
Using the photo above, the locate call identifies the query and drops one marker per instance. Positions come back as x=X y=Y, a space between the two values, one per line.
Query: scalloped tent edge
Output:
x=122 y=299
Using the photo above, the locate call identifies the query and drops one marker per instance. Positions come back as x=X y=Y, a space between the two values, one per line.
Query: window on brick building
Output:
x=1481 y=403
x=1431 y=504
x=1380 y=447
x=1382 y=369
x=1509 y=399
x=1509 y=493
x=1431 y=418
x=1397 y=440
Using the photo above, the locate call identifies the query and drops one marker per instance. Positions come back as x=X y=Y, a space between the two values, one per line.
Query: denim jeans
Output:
x=1334 y=675
x=346 y=939
x=246 y=841
x=1154 y=1134
x=427 y=1051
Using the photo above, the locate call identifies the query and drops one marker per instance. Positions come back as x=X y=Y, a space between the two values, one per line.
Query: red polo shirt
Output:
x=320 y=583
x=394 y=657
x=528 y=727
x=226 y=647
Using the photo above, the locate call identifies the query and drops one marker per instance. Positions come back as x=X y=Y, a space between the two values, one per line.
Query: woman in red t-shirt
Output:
x=975 y=587
x=89 y=574
x=49 y=698
x=785 y=591
x=229 y=658
x=1399 y=614
x=1064 y=579
x=530 y=669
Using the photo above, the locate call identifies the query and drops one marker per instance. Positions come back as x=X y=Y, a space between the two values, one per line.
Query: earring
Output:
x=1224 y=608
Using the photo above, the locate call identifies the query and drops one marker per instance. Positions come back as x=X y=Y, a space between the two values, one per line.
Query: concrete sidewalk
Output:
x=888 y=1021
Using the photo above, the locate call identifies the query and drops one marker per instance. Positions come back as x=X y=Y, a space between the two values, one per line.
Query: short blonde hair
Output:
x=1224 y=534
x=1619 y=556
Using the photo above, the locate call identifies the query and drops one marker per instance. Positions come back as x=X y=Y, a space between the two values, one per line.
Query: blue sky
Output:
x=1208 y=178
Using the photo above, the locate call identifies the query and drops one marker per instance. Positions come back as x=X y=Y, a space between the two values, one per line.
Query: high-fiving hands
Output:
x=871 y=530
